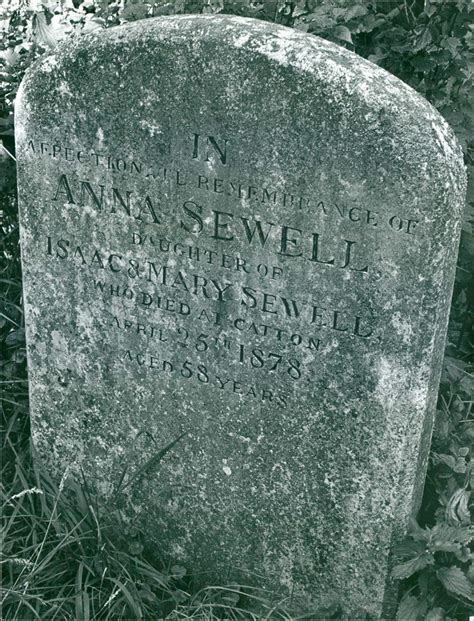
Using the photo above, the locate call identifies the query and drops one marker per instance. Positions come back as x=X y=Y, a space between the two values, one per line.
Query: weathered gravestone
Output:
x=247 y=235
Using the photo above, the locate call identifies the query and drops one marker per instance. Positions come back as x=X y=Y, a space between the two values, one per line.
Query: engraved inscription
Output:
x=217 y=149
x=199 y=283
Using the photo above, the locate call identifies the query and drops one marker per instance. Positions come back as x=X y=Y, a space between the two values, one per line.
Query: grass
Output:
x=60 y=563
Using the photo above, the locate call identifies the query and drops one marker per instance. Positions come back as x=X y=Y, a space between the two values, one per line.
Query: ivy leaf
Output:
x=455 y=581
x=378 y=56
x=168 y=8
x=410 y=609
x=408 y=568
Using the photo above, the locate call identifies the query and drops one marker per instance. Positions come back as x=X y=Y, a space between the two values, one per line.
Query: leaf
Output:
x=133 y=12
x=455 y=581
x=457 y=509
x=343 y=33
x=299 y=9
x=15 y=336
x=228 y=597
x=178 y=572
x=467 y=384
x=378 y=57
x=429 y=9
x=418 y=533
x=435 y=614
x=408 y=568
x=80 y=498
x=423 y=41
x=442 y=458
x=355 y=11
x=463 y=554
x=453 y=369
x=18 y=356
x=179 y=596
x=168 y=8
x=300 y=25
x=48 y=34
x=320 y=20
x=445 y=533
x=423 y=63
x=213 y=6
x=408 y=548
x=453 y=43
x=128 y=597
x=135 y=548
x=446 y=546
x=410 y=609
x=94 y=23
x=147 y=595
x=82 y=597
x=10 y=58
x=369 y=23
x=460 y=466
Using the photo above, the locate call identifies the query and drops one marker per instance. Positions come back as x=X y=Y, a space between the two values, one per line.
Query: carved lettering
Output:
x=219 y=149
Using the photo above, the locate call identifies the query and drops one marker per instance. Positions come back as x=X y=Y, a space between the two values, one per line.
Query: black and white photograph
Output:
x=236 y=322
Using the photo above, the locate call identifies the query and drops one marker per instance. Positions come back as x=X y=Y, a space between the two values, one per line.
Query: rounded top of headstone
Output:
x=347 y=78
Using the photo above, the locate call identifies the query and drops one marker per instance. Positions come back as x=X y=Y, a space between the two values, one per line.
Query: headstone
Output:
x=240 y=239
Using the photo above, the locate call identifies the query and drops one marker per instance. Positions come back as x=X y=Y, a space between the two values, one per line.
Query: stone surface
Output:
x=247 y=235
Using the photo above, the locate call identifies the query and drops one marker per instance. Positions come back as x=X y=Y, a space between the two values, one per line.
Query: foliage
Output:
x=53 y=536
x=63 y=561
x=437 y=562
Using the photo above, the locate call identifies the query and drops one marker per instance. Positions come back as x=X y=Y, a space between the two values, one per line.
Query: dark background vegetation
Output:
x=60 y=560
